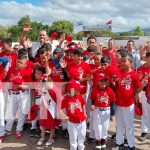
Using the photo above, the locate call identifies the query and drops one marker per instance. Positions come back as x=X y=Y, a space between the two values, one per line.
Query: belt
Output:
x=17 y=92
x=37 y=97
x=148 y=101
x=102 y=108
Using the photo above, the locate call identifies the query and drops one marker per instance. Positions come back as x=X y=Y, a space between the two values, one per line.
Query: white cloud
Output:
x=125 y=14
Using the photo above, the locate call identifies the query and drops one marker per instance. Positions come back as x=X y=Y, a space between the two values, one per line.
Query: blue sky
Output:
x=125 y=14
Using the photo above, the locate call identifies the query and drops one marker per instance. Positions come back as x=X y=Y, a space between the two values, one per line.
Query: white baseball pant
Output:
x=145 y=117
x=101 y=123
x=125 y=122
x=77 y=133
x=17 y=102
x=2 y=106
x=92 y=132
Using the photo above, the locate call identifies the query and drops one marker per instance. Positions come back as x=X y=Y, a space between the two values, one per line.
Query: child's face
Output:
x=77 y=58
x=105 y=65
x=125 y=62
x=21 y=63
x=43 y=57
x=72 y=92
x=118 y=58
x=97 y=60
x=38 y=74
x=102 y=84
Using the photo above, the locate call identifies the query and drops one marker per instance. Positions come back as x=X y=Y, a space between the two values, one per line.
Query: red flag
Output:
x=109 y=22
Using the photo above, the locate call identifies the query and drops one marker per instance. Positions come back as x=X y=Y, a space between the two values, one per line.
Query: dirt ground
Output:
x=30 y=143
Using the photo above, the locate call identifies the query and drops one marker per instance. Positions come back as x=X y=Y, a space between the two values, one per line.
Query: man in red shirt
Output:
x=74 y=105
x=128 y=86
x=17 y=75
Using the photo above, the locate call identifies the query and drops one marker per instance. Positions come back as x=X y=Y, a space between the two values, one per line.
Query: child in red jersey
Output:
x=19 y=96
x=144 y=72
x=74 y=105
x=48 y=113
x=102 y=98
x=128 y=86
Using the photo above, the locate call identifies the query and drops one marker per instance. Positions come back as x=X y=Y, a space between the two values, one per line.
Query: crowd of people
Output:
x=74 y=86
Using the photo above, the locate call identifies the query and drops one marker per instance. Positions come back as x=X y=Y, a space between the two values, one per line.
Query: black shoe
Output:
x=126 y=143
x=112 y=137
x=98 y=145
x=32 y=132
x=103 y=144
x=118 y=147
x=37 y=133
x=66 y=134
x=143 y=137
x=131 y=148
x=25 y=126
x=89 y=141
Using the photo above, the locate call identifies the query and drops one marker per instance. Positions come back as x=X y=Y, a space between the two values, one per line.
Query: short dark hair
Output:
x=105 y=59
x=22 y=56
x=22 y=51
x=129 y=56
x=8 y=41
x=91 y=37
x=41 y=51
x=92 y=48
x=147 y=54
x=47 y=46
x=122 y=51
x=130 y=41
x=78 y=51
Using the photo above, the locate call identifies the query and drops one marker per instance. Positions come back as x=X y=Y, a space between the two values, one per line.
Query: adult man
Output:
x=134 y=53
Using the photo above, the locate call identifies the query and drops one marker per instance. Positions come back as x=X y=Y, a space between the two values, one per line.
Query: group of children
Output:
x=95 y=92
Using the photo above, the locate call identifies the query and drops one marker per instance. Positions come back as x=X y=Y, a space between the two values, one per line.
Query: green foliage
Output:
x=138 y=31
x=61 y=26
x=15 y=30
x=3 y=32
x=125 y=34
x=79 y=35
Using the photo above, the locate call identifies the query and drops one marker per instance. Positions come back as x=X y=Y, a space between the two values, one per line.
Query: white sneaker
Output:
x=49 y=142
x=40 y=142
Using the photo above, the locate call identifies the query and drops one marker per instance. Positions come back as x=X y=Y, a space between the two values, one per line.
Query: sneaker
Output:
x=126 y=143
x=66 y=134
x=49 y=142
x=18 y=134
x=143 y=137
x=98 y=145
x=32 y=132
x=103 y=144
x=131 y=148
x=37 y=133
x=118 y=147
x=89 y=141
x=40 y=142
x=1 y=138
x=7 y=133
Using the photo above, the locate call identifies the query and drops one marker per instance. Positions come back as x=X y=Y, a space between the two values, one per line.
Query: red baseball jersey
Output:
x=126 y=88
x=14 y=73
x=11 y=57
x=74 y=108
x=79 y=71
x=102 y=98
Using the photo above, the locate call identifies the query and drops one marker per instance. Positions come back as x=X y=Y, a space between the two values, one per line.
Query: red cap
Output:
x=69 y=39
x=54 y=35
x=138 y=109
x=73 y=47
x=18 y=81
x=101 y=77
x=33 y=113
x=74 y=84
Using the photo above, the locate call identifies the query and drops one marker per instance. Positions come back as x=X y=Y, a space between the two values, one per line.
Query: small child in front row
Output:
x=74 y=105
x=103 y=99
x=48 y=113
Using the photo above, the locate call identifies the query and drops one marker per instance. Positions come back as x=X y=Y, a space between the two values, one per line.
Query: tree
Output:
x=16 y=30
x=61 y=26
x=125 y=34
x=79 y=35
x=138 y=31
x=3 y=32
